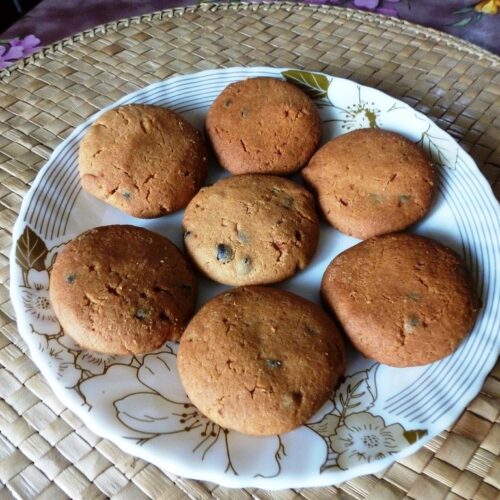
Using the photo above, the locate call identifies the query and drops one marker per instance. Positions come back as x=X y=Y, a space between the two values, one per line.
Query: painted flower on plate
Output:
x=37 y=303
x=364 y=438
x=60 y=361
x=163 y=410
x=96 y=363
x=153 y=410
x=91 y=363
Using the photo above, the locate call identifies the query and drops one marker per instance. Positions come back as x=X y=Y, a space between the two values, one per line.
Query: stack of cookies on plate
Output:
x=257 y=359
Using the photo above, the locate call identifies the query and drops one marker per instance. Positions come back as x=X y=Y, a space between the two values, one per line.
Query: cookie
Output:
x=251 y=229
x=263 y=126
x=402 y=299
x=122 y=290
x=371 y=182
x=145 y=160
x=259 y=360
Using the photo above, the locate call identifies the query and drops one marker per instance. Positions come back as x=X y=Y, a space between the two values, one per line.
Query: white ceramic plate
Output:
x=378 y=415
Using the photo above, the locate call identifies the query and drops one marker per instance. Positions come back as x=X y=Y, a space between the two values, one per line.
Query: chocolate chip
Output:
x=224 y=253
x=287 y=202
x=273 y=363
x=127 y=195
x=244 y=112
x=70 y=278
x=404 y=198
x=376 y=198
x=414 y=296
x=141 y=314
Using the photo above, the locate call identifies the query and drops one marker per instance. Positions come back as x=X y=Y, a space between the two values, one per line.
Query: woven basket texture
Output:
x=45 y=450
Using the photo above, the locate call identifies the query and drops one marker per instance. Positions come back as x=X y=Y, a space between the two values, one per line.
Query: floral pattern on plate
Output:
x=377 y=415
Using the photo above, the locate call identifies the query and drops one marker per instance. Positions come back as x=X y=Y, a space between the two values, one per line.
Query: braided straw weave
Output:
x=45 y=450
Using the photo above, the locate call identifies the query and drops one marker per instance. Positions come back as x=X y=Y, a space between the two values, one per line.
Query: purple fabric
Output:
x=52 y=20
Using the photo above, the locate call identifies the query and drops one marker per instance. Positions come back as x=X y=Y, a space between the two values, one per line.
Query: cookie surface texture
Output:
x=122 y=290
x=251 y=229
x=371 y=182
x=259 y=360
x=263 y=125
x=403 y=300
x=145 y=160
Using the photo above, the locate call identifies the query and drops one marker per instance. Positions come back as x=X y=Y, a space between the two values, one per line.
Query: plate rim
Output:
x=64 y=397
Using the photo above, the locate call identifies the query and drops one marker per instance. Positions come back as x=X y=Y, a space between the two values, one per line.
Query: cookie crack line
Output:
x=115 y=273
x=123 y=115
x=127 y=174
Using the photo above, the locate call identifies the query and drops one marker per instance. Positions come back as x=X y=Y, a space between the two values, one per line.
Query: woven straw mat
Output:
x=45 y=450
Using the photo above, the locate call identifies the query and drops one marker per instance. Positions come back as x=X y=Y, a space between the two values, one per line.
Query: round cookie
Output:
x=251 y=229
x=122 y=290
x=403 y=300
x=371 y=182
x=145 y=160
x=263 y=126
x=259 y=360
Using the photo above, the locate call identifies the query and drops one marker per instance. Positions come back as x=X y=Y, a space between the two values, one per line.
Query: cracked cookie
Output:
x=403 y=300
x=122 y=290
x=251 y=229
x=263 y=125
x=371 y=182
x=145 y=160
x=259 y=360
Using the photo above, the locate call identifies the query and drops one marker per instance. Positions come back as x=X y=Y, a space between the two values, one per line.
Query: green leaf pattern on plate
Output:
x=315 y=85
x=352 y=429
x=414 y=436
x=31 y=251
x=352 y=434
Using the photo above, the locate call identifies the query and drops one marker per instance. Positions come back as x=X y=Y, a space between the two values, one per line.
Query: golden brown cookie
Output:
x=263 y=126
x=145 y=160
x=371 y=182
x=259 y=360
x=122 y=289
x=402 y=299
x=251 y=229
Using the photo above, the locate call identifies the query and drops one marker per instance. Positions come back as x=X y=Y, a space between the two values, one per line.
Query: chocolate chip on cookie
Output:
x=247 y=360
x=145 y=160
x=402 y=299
x=251 y=229
x=122 y=289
